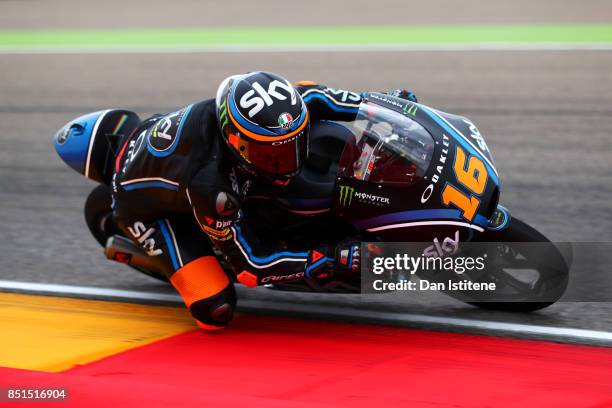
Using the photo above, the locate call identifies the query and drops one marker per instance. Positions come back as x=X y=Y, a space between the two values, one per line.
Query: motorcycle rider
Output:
x=189 y=171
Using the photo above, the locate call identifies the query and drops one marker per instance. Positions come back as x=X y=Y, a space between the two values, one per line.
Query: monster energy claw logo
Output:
x=346 y=195
x=223 y=114
x=410 y=109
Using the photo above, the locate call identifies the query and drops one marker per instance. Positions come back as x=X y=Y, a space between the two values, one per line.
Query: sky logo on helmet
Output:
x=258 y=97
x=285 y=120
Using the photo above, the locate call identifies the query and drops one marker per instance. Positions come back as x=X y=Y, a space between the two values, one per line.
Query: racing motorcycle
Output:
x=401 y=172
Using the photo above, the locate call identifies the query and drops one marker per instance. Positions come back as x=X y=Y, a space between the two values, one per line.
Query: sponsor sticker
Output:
x=166 y=131
x=285 y=120
x=348 y=194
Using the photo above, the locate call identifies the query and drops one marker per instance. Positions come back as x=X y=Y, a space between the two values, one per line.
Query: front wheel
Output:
x=530 y=271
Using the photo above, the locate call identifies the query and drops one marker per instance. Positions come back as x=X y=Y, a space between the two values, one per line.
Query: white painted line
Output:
x=101 y=293
x=545 y=332
x=312 y=48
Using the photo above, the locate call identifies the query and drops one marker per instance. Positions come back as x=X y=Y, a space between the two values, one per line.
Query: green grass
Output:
x=307 y=36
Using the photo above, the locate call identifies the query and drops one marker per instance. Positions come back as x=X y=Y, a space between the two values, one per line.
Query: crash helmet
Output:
x=265 y=123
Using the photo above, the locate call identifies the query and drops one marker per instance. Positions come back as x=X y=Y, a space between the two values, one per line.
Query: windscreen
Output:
x=387 y=148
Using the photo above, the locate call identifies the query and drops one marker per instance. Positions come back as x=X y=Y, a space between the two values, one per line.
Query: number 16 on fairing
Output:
x=472 y=174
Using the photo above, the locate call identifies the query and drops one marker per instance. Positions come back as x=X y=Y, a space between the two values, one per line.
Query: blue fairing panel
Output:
x=74 y=142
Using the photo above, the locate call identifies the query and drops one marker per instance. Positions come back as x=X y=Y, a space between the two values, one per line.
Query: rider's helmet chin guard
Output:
x=265 y=122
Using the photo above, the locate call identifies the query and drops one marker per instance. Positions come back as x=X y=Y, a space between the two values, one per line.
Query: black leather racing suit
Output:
x=175 y=177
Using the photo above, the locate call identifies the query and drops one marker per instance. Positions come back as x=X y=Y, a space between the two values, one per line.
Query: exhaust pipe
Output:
x=121 y=249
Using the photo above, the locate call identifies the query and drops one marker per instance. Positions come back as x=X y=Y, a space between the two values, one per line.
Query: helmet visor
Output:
x=280 y=158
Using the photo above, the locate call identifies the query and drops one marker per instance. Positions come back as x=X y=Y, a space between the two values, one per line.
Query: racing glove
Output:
x=404 y=94
x=328 y=262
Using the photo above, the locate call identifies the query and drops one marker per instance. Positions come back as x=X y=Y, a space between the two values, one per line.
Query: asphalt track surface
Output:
x=41 y=14
x=546 y=116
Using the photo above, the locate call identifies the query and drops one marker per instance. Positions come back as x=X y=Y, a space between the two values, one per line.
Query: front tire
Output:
x=544 y=256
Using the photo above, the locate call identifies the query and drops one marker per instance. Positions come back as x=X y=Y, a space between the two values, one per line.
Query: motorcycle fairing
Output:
x=84 y=143
x=423 y=207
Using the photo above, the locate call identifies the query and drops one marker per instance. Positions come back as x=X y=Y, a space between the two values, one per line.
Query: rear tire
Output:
x=99 y=219
x=98 y=214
